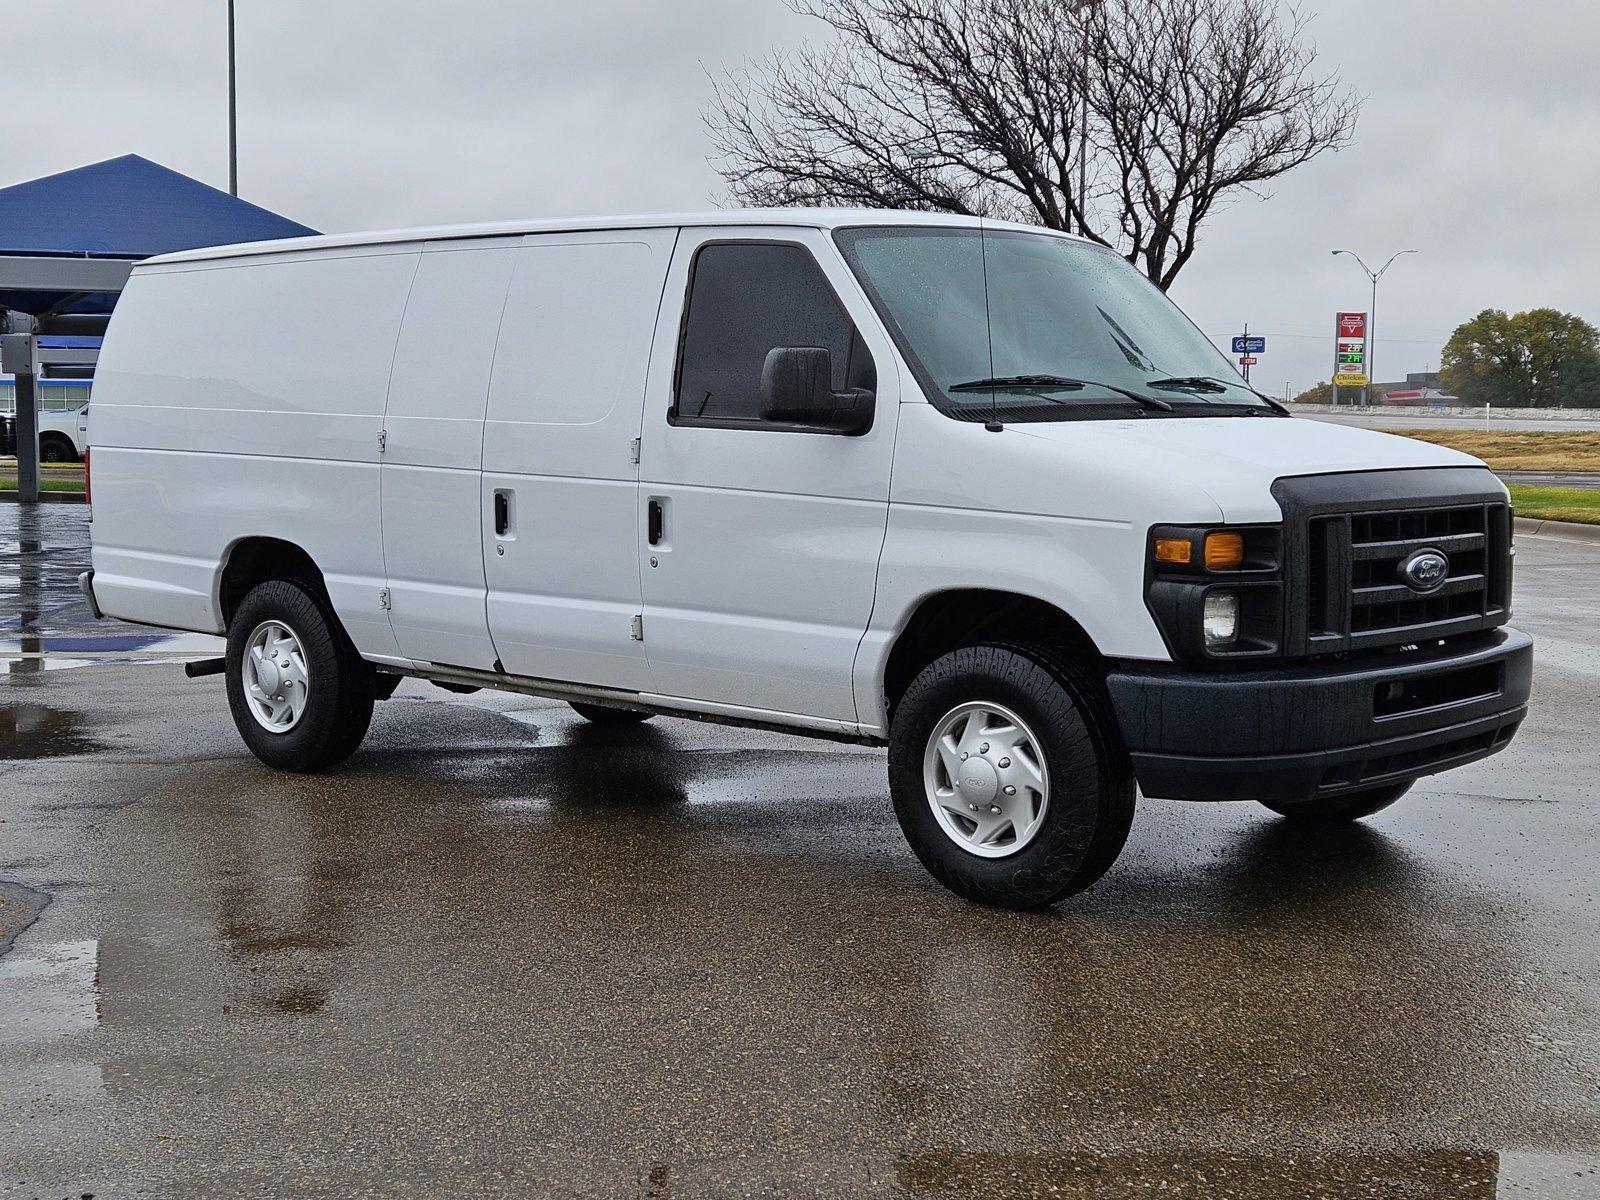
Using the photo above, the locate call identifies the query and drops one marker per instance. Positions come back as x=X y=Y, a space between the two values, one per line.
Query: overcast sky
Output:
x=1479 y=146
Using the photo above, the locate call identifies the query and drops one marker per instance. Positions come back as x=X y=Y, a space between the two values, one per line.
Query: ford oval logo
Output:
x=1424 y=570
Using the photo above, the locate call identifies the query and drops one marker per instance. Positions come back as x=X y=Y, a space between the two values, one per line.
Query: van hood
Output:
x=1237 y=459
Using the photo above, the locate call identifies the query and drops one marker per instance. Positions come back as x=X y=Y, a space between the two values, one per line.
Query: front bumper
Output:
x=1295 y=732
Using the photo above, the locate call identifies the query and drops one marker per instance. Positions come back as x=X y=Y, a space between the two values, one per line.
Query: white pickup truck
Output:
x=63 y=434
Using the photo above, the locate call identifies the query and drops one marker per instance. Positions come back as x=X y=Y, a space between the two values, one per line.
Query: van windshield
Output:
x=1015 y=326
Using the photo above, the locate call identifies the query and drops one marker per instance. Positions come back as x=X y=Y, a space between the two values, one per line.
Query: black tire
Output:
x=55 y=449
x=1091 y=780
x=340 y=690
x=1351 y=806
x=602 y=714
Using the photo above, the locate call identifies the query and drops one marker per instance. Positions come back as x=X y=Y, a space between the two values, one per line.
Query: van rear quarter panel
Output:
x=243 y=398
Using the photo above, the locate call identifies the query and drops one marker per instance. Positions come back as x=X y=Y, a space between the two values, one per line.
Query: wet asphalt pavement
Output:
x=506 y=953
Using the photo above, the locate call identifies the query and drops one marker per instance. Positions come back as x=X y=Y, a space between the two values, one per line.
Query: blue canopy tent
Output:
x=67 y=243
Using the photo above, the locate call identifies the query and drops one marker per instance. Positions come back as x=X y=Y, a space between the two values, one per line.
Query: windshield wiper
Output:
x=1010 y=381
x=1212 y=384
x=1060 y=383
x=1189 y=383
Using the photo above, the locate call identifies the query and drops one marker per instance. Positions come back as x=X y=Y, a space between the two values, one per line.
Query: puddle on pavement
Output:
x=20 y=906
x=50 y=990
x=37 y=731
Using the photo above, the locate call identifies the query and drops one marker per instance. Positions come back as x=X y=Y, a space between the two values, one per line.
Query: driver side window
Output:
x=746 y=299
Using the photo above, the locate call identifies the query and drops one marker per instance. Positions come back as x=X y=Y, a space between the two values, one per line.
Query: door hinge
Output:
x=383 y=440
x=633 y=451
x=383 y=598
x=636 y=627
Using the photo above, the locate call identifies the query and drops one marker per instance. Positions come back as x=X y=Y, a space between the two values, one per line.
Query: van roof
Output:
x=807 y=218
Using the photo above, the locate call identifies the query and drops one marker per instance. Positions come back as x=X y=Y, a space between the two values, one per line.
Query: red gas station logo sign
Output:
x=1352 y=325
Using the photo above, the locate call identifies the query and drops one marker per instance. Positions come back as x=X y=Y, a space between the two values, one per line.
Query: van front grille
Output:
x=1353 y=594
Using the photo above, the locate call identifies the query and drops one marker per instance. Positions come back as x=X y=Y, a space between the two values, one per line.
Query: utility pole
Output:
x=19 y=358
x=1084 y=10
x=1372 y=316
x=233 y=111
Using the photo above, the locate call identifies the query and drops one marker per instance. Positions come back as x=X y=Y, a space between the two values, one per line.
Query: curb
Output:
x=1570 y=531
x=10 y=497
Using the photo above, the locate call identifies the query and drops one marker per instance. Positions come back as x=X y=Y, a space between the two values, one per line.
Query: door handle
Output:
x=502 y=513
x=657 y=522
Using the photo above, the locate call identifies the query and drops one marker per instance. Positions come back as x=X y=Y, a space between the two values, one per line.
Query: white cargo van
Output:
x=975 y=491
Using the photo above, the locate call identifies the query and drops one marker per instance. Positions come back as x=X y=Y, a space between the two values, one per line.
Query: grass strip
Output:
x=1518 y=450
x=1557 y=504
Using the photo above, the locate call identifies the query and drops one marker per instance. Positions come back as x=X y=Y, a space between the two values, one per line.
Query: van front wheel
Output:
x=301 y=695
x=1008 y=777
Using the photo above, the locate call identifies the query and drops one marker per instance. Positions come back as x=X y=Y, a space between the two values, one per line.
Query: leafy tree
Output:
x=1537 y=359
x=978 y=107
x=1322 y=393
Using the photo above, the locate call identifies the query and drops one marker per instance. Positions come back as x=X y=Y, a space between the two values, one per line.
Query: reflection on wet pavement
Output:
x=954 y=1175
x=36 y=731
x=44 y=622
x=504 y=951
x=600 y=962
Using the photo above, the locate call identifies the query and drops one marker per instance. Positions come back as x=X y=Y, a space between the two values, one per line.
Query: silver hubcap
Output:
x=986 y=779
x=275 y=678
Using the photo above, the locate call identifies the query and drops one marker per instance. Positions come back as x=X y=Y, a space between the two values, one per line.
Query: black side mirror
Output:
x=797 y=389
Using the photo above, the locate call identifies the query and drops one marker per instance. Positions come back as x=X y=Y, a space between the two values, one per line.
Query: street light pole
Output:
x=1084 y=10
x=1372 y=313
x=233 y=111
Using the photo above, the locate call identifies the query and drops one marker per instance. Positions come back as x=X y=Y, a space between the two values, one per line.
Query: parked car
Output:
x=974 y=491
x=63 y=434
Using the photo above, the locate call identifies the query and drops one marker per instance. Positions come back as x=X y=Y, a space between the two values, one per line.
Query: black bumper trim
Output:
x=86 y=586
x=1294 y=732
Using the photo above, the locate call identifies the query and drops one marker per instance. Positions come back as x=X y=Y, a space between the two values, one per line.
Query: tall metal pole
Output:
x=27 y=438
x=1085 y=12
x=1372 y=314
x=1083 y=137
x=233 y=112
x=1372 y=343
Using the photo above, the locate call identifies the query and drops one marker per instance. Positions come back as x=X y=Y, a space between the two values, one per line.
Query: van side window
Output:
x=745 y=299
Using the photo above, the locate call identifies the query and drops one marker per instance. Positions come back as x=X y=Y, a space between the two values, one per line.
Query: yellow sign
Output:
x=1349 y=381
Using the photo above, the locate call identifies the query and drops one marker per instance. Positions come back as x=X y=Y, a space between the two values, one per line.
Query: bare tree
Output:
x=978 y=107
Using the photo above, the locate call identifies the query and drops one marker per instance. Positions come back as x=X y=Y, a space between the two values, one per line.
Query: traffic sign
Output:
x=1249 y=345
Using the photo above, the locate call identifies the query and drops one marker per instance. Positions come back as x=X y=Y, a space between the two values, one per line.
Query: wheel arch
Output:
x=946 y=620
x=254 y=560
x=54 y=437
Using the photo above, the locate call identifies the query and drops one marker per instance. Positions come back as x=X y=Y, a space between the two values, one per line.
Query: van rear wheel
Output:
x=301 y=695
x=602 y=714
x=1008 y=777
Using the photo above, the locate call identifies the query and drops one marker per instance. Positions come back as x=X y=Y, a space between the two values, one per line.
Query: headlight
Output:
x=1220 y=619
x=1217 y=593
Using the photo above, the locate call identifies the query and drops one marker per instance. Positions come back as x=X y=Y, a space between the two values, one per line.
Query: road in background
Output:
x=1390 y=418
x=1585 y=480
x=505 y=952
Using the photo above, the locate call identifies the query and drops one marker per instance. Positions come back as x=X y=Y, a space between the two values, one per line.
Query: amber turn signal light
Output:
x=1224 y=551
x=1174 y=550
